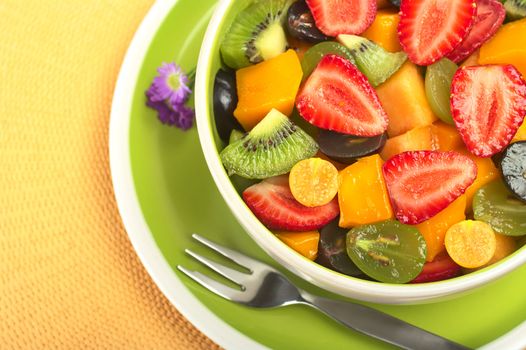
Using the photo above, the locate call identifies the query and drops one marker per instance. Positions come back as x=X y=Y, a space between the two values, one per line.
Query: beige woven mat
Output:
x=69 y=278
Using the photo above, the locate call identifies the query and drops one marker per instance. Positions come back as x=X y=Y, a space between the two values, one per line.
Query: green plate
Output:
x=165 y=193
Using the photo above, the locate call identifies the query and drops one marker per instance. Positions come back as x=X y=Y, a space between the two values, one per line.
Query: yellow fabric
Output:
x=69 y=278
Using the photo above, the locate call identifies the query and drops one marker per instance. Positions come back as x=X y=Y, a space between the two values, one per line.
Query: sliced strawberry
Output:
x=490 y=16
x=488 y=105
x=431 y=29
x=423 y=183
x=334 y=17
x=338 y=97
x=273 y=204
x=442 y=268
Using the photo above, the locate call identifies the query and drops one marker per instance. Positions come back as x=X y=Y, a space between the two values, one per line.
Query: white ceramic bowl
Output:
x=306 y=269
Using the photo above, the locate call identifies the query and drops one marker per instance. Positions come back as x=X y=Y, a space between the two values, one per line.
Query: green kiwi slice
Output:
x=257 y=34
x=271 y=148
x=515 y=9
x=371 y=59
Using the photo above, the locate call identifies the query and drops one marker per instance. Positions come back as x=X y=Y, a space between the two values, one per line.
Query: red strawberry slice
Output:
x=442 y=268
x=334 y=17
x=423 y=183
x=490 y=16
x=273 y=204
x=488 y=105
x=430 y=29
x=338 y=97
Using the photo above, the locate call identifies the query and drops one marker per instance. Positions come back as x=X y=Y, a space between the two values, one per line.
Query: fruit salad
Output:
x=384 y=140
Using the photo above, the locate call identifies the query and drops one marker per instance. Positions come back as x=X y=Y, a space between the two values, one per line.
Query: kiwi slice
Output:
x=236 y=135
x=515 y=9
x=271 y=148
x=257 y=34
x=371 y=59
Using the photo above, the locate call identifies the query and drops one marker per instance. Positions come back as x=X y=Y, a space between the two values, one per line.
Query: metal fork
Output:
x=265 y=287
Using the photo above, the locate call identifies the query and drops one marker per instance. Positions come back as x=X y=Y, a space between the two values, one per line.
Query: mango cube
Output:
x=418 y=139
x=384 y=30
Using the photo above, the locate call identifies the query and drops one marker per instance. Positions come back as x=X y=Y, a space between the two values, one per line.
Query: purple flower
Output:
x=171 y=85
x=168 y=94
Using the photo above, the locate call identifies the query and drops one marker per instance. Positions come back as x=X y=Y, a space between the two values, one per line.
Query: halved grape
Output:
x=497 y=206
x=314 y=55
x=332 y=252
x=387 y=251
x=439 y=76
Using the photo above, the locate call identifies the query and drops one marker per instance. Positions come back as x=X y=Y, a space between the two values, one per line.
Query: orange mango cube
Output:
x=384 y=30
x=267 y=85
x=404 y=100
x=508 y=46
x=305 y=243
x=362 y=193
x=418 y=139
x=434 y=229
x=447 y=137
x=521 y=133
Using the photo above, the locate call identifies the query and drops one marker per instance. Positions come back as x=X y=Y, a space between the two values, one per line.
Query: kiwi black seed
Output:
x=371 y=59
x=515 y=9
x=257 y=34
x=271 y=148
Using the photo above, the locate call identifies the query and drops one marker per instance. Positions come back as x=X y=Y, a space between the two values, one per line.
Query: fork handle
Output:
x=379 y=325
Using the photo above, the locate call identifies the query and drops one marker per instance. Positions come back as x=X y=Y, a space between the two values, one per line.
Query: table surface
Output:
x=69 y=277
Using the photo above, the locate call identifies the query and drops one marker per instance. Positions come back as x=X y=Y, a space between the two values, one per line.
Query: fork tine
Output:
x=227 y=272
x=238 y=258
x=214 y=286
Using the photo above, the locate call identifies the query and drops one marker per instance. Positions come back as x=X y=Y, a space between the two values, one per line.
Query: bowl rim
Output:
x=310 y=271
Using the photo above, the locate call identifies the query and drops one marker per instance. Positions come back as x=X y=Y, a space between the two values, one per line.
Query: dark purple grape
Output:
x=300 y=24
x=225 y=102
x=347 y=148
x=513 y=166
x=332 y=252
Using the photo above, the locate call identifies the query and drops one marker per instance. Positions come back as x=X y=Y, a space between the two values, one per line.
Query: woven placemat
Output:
x=69 y=278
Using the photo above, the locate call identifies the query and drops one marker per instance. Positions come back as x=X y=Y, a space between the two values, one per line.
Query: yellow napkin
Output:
x=69 y=278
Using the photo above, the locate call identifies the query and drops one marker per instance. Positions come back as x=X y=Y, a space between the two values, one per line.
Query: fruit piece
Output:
x=338 y=97
x=270 y=84
x=423 y=183
x=305 y=243
x=384 y=30
x=489 y=18
x=434 y=229
x=488 y=105
x=300 y=23
x=362 y=194
x=388 y=251
x=273 y=204
x=439 y=76
x=225 y=101
x=313 y=182
x=431 y=29
x=335 y=17
x=418 y=139
x=404 y=99
x=347 y=148
x=271 y=148
x=470 y=244
x=256 y=34
x=486 y=172
x=313 y=56
x=513 y=166
x=521 y=133
x=447 y=137
x=235 y=135
x=515 y=9
x=377 y=64
x=472 y=60
x=332 y=251
x=441 y=268
x=508 y=46
x=504 y=246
